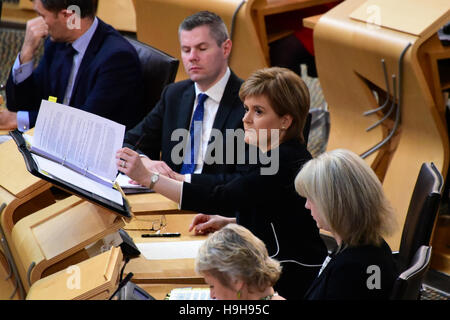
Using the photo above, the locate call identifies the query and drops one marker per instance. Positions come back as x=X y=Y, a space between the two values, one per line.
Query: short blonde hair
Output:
x=349 y=197
x=234 y=253
x=286 y=92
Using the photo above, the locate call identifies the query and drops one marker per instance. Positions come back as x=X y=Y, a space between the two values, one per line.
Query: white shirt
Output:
x=215 y=94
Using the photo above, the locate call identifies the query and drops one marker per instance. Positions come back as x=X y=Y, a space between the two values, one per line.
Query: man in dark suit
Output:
x=86 y=64
x=205 y=48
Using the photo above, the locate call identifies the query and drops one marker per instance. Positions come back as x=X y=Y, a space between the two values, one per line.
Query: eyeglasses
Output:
x=156 y=224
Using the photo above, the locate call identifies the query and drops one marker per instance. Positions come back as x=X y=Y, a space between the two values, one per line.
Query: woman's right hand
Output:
x=204 y=224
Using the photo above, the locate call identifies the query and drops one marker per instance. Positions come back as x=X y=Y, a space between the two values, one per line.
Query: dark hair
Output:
x=88 y=8
x=216 y=25
x=286 y=92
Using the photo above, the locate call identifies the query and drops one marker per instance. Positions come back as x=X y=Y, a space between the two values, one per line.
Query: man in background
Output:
x=86 y=64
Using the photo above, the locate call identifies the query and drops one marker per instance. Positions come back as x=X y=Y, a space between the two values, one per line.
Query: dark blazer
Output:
x=174 y=111
x=108 y=83
x=260 y=201
x=346 y=275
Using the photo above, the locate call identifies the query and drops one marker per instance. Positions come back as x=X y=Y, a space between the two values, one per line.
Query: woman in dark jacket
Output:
x=346 y=198
x=264 y=199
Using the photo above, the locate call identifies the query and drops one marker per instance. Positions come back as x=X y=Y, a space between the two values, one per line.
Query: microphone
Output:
x=122 y=284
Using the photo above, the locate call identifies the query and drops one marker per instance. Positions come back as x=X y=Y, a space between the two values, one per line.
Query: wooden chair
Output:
x=351 y=53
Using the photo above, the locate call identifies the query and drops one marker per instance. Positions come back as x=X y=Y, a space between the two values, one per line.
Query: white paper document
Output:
x=54 y=169
x=78 y=139
x=124 y=182
x=170 y=250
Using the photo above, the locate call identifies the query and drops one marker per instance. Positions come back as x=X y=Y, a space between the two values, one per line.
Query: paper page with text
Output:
x=53 y=169
x=78 y=137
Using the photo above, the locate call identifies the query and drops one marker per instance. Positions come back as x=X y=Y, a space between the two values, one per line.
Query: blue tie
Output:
x=195 y=136
x=64 y=71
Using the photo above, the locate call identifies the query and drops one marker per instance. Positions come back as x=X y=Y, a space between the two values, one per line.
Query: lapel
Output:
x=228 y=101
x=318 y=280
x=91 y=51
x=186 y=108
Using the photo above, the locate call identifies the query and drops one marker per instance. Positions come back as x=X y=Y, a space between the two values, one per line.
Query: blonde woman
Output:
x=346 y=198
x=236 y=266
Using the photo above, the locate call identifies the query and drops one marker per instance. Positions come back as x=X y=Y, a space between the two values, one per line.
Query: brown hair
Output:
x=286 y=92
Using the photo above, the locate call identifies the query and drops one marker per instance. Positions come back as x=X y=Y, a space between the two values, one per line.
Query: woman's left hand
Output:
x=129 y=162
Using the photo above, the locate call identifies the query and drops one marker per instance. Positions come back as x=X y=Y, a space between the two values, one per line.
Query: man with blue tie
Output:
x=86 y=64
x=208 y=101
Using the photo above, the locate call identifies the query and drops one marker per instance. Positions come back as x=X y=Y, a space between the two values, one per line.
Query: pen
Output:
x=136 y=146
x=161 y=235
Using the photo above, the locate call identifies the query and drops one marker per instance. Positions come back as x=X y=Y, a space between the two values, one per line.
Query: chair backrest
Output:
x=307 y=128
x=159 y=69
x=421 y=214
x=409 y=283
x=318 y=130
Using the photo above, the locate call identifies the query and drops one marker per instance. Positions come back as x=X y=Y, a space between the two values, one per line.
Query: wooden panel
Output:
x=348 y=55
x=403 y=15
x=92 y=281
x=7 y=281
x=118 y=13
x=90 y=217
x=147 y=203
x=26 y=4
x=14 y=175
x=57 y=232
x=158 y=22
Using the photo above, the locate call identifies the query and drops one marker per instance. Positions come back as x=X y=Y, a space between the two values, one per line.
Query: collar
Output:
x=81 y=44
x=217 y=90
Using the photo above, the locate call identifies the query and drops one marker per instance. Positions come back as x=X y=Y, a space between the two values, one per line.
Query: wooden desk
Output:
x=179 y=271
x=310 y=22
x=264 y=8
x=152 y=203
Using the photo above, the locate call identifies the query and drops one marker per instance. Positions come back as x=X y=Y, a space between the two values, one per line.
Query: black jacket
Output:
x=174 y=111
x=262 y=201
x=352 y=274
x=108 y=82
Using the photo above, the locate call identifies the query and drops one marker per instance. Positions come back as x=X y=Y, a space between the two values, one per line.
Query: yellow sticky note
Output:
x=52 y=99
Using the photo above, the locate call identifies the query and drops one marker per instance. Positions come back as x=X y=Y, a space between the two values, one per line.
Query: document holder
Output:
x=122 y=210
x=93 y=279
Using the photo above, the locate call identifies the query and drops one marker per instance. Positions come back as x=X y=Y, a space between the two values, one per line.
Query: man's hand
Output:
x=36 y=30
x=8 y=119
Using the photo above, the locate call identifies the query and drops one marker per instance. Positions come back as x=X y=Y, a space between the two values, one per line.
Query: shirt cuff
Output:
x=23 y=121
x=188 y=178
x=21 y=72
x=181 y=196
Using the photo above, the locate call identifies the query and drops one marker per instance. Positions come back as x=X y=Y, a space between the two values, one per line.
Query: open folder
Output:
x=75 y=150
